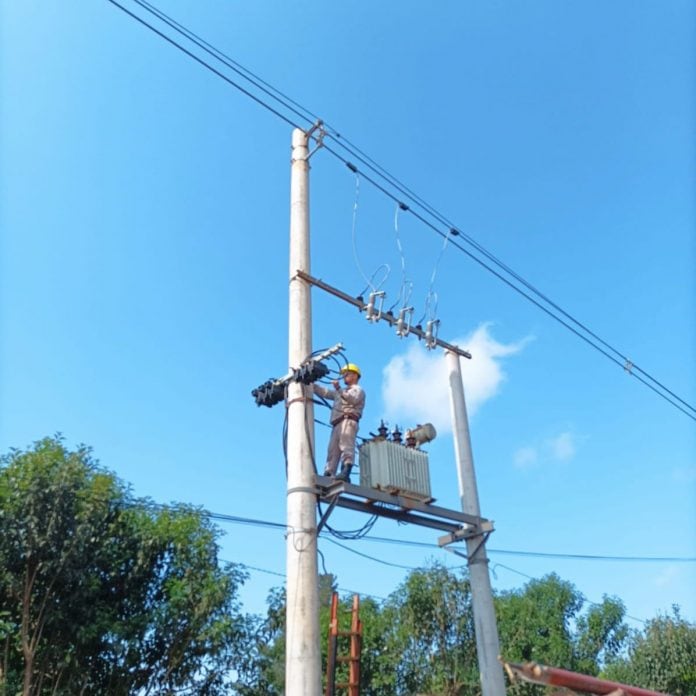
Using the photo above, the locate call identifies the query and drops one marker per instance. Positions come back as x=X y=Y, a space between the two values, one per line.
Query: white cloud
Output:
x=415 y=385
x=526 y=457
x=667 y=576
x=553 y=450
x=562 y=447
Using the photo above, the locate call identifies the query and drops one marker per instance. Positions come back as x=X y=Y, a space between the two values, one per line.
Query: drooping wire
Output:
x=406 y=285
x=349 y=535
x=353 y=233
x=371 y=558
x=371 y=283
x=530 y=577
x=626 y=365
x=430 y=311
x=608 y=351
x=235 y=519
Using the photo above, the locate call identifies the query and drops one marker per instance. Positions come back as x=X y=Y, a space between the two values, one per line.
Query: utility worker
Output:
x=348 y=405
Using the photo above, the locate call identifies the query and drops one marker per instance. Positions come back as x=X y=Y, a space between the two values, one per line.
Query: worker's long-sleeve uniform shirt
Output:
x=347 y=403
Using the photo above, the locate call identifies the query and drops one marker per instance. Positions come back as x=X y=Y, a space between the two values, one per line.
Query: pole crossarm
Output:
x=291 y=374
x=386 y=316
x=338 y=493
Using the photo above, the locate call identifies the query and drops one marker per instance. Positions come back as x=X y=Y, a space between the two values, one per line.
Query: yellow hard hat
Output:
x=351 y=367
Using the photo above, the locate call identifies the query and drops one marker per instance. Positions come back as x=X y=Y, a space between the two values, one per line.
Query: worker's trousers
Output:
x=341 y=445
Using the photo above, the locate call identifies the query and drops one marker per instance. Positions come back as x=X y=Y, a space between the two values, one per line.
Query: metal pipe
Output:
x=554 y=676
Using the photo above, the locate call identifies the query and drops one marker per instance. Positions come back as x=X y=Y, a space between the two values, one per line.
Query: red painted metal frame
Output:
x=554 y=676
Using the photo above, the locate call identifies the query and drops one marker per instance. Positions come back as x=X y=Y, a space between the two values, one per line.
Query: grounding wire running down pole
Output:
x=485 y=627
x=302 y=652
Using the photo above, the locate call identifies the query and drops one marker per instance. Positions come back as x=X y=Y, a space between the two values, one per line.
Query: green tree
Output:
x=429 y=643
x=101 y=593
x=262 y=672
x=544 y=622
x=662 y=657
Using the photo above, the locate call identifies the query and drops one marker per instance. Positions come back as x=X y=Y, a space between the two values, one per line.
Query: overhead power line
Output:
x=294 y=114
x=383 y=599
x=234 y=519
x=199 y=60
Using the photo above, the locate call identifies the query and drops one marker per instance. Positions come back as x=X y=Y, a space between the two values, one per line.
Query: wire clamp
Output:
x=372 y=312
x=628 y=366
x=431 y=333
x=319 y=138
x=403 y=323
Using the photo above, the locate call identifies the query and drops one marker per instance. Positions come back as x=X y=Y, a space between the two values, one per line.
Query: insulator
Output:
x=269 y=393
x=310 y=372
x=372 y=313
x=403 y=323
x=431 y=333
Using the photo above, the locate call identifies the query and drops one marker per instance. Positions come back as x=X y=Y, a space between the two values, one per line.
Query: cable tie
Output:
x=302 y=489
x=298 y=398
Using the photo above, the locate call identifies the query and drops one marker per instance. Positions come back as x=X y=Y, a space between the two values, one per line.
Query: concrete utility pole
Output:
x=302 y=653
x=486 y=629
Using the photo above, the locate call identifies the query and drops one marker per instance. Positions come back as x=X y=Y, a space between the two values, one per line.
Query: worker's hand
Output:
x=336 y=385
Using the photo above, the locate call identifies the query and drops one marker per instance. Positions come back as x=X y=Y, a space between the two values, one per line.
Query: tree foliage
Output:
x=262 y=670
x=101 y=593
x=662 y=657
x=430 y=644
x=544 y=622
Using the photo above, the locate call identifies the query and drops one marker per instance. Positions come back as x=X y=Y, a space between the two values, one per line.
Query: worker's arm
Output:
x=330 y=394
x=354 y=396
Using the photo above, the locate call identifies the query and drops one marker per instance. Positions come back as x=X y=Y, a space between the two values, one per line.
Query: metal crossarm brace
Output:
x=327 y=512
x=375 y=502
x=388 y=317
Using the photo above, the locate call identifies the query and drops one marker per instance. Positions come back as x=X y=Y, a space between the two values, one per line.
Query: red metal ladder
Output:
x=352 y=686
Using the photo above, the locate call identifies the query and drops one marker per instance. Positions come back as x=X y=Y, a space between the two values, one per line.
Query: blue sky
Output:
x=144 y=238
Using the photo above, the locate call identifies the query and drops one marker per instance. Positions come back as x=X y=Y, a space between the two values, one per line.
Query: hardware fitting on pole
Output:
x=386 y=316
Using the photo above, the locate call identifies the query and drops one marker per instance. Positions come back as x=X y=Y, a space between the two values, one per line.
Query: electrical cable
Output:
x=372 y=558
x=537 y=303
x=247 y=74
x=350 y=535
x=383 y=599
x=284 y=575
x=402 y=289
x=233 y=519
x=275 y=525
x=582 y=596
x=624 y=362
x=542 y=554
x=353 y=230
x=222 y=76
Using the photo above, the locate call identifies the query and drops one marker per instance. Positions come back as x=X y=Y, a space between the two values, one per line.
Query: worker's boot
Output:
x=345 y=473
